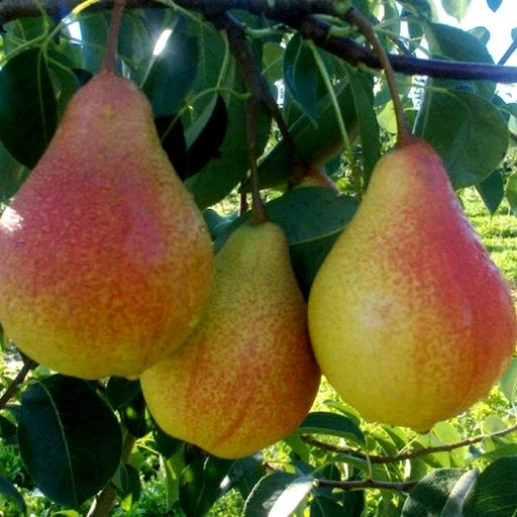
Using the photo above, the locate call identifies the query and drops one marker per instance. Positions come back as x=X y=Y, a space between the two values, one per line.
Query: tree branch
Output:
x=402 y=486
x=297 y=14
x=15 y=383
x=410 y=454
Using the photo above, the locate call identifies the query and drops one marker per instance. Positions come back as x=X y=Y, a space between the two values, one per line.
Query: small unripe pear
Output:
x=247 y=376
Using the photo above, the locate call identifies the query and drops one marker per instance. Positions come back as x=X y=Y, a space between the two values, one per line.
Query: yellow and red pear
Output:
x=106 y=263
x=409 y=318
x=247 y=376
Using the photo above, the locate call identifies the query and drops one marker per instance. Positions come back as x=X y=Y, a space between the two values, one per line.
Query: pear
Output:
x=410 y=320
x=247 y=376
x=106 y=261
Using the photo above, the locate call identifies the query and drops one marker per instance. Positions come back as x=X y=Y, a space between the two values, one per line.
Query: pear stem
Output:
x=361 y=22
x=110 y=55
x=258 y=214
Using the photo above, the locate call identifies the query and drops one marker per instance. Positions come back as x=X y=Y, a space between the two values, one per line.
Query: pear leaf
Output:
x=332 y=424
x=94 y=31
x=200 y=485
x=494 y=4
x=121 y=391
x=324 y=507
x=28 y=110
x=511 y=192
x=456 y=8
x=508 y=381
x=495 y=491
x=491 y=191
x=474 y=140
x=69 y=439
x=179 y=58
x=439 y=490
x=278 y=495
x=301 y=75
x=8 y=491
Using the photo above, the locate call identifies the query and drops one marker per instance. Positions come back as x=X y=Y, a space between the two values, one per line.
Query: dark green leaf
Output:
x=315 y=148
x=179 y=58
x=28 y=112
x=8 y=491
x=131 y=487
x=272 y=61
x=69 y=439
x=8 y=430
x=206 y=135
x=491 y=191
x=468 y=132
x=170 y=131
x=121 y=391
x=324 y=507
x=331 y=424
x=216 y=222
x=200 y=485
x=94 y=31
x=246 y=473
x=166 y=445
x=134 y=417
x=222 y=174
x=495 y=491
x=438 y=489
x=301 y=75
x=12 y=175
x=278 y=494
x=481 y=33
x=511 y=192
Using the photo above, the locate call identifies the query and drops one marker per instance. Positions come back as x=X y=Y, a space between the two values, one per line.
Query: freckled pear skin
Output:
x=410 y=319
x=106 y=264
x=247 y=376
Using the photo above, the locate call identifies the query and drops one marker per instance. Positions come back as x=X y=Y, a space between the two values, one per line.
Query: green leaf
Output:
x=331 y=424
x=457 y=45
x=179 y=58
x=166 y=445
x=278 y=495
x=8 y=431
x=301 y=75
x=456 y=8
x=28 y=112
x=121 y=391
x=508 y=381
x=200 y=485
x=246 y=473
x=495 y=491
x=206 y=135
x=12 y=175
x=439 y=492
x=134 y=416
x=481 y=33
x=272 y=61
x=172 y=138
x=468 y=132
x=8 y=491
x=491 y=191
x=511 y=192
x=69 y=439
x=131 y=487
x=314 y=147
x=324 y=507
x=368 y=126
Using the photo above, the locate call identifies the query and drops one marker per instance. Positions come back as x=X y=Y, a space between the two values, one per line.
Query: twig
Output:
x=355 y=17
x=506 y=56
x=258 y=86
x=15 y=383
x=411 y=454
x=297 y=14
x=400 y=486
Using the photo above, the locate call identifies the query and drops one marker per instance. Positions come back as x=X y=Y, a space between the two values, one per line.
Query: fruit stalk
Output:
x=110 y=54
x=355 y=17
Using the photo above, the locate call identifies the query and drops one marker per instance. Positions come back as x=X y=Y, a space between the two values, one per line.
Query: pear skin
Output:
x=247 y=376
x=106 y=262
x=410 y=319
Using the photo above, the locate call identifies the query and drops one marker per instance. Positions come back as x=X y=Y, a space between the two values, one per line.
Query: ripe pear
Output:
x=106 y=261
x=409 y=318
x=247 y=375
